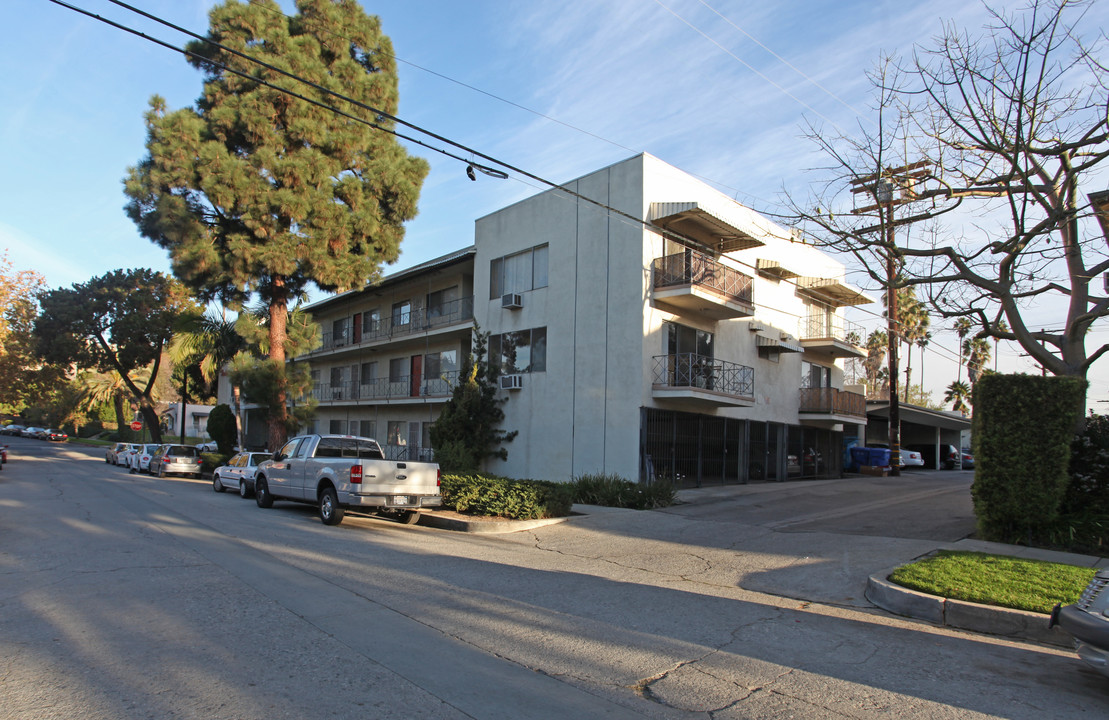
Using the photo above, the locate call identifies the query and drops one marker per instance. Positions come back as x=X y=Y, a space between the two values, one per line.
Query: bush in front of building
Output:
x=1023 y=428
x=615 y=491
x=1083 y=524
x=222 y=428
x=503 y=497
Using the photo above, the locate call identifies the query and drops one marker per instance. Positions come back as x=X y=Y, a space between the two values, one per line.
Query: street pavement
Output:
x=125 y=596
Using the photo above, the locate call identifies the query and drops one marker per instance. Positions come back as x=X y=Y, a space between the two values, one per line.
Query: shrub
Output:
x=211 y=461
x=503 y=497
x=221 y=427
x=1023 y=427
x=615 y=491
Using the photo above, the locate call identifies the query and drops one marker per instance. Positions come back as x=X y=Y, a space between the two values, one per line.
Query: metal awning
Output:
x=833 y=291
x=707 y=227
x=766 y=341
x=775 y=268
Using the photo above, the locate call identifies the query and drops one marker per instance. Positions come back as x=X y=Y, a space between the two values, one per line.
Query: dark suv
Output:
x=950 y=457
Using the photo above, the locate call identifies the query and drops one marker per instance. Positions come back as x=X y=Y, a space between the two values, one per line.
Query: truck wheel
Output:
x=330 y=511
x=408 y=517
x=262 y=493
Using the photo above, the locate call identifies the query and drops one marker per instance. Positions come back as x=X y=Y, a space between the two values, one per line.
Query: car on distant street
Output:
x=12 y=429
x=239 y=472
x=176 y=459
x=56 y=435
x=32 y=432
x=140 y=460
x=968 y=459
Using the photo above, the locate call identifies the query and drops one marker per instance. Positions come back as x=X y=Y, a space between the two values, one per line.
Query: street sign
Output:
x=136 y=426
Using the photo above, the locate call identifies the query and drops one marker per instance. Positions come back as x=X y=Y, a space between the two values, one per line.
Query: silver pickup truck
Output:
x=340 y=472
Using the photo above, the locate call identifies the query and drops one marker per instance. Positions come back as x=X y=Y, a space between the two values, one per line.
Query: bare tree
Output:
x=978 y=182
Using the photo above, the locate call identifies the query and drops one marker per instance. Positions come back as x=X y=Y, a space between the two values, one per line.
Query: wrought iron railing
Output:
x=386 y=389
x=696 y=268
x=401 y=324
x=689 y=370
x=831 y=401
x=833 y=327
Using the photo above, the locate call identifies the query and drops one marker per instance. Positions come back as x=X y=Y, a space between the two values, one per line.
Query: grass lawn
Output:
x=995 y=580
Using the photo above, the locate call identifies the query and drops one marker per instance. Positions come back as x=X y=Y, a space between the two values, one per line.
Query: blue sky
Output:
x=718 y=88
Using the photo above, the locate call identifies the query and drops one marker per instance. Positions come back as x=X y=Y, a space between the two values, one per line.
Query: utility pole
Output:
x=880 y=186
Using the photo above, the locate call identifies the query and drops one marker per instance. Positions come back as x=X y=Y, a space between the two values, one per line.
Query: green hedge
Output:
x=615 y=491
x=1023 y=427
x=515 y=499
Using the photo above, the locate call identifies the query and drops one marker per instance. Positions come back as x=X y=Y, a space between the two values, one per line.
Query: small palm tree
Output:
x=876 y=344
x=977 y=352
x=958 y=394
x=962 y=327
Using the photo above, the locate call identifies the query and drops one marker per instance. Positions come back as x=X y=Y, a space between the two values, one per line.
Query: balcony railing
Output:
x=833 y=327
x=385 y=389
x=695 y=268
x=401 y=324
x=689 y=370
x=830 y=401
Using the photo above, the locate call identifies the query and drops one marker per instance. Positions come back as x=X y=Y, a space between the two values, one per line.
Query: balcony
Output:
x=704 y=379
x=692 y=281
x=832 y=405
x=833 y=337
x=403 y=388
x=414 y=322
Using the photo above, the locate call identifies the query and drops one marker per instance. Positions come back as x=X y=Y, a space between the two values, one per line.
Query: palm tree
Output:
x=913 y=321
x=962 y=327
x=958 y=394
x=98 y=388
x=922 y=342
x=876 y=344
x=977 y=351
x=209 y=342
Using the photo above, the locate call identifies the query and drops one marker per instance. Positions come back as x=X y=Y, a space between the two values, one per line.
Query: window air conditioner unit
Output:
x=512 y=301
x=512 y=382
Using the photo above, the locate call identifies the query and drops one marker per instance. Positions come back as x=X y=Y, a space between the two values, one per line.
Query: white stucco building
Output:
x=677 y=334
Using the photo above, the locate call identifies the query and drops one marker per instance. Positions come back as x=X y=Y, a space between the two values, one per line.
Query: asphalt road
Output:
x=125 y=596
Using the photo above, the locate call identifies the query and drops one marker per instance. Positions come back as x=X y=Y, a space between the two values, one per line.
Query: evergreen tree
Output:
x=255 y=193
x=468 y=429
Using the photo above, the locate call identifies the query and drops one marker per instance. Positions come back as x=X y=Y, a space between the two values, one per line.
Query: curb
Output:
x=1005 y=622
x=485 y=527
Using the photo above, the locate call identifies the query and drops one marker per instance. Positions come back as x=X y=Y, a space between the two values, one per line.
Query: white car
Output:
x=239 y=472
x=140 y=460
x=911 y=458
x=123 y=457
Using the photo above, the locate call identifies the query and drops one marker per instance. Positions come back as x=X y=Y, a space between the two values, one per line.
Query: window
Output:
x=289 y=449
x=371 y=322
x=340 y=331
x=397 y=435
x=369 y=373
x=367 y=428
x=335 y=427
x=397 y=369
x=402 y=313
x=441 y=363
x=441 y=303
x=815 y=376
x=518 y=273
x=682 y=340
x=523 y=351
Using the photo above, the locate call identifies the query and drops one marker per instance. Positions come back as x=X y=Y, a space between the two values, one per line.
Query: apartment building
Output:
x=663 y=330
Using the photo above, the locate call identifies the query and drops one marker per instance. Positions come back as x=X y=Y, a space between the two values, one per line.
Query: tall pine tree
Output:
x=256 y=193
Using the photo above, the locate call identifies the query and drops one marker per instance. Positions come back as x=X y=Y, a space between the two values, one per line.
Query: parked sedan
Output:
x=909 y=458
x=123 y=457
x=180 y=459
x=968 y=459
x=12 y=430
x=111 y=455
x=32 y=432
x=140 y=460
x=55 y=435
x=239 y=472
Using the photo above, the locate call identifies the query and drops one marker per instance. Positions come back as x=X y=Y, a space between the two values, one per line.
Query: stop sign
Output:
x=136 y=426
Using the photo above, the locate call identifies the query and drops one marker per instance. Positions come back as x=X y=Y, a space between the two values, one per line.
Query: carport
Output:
x=919 y=425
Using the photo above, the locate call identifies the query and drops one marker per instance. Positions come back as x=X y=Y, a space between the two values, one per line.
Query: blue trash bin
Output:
x=879 y=457
x=859 y=456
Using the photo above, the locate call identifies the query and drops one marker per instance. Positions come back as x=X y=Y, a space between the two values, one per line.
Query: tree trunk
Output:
x=279 y=316
x=121 y=421
x=238 y=415
x=150 y=418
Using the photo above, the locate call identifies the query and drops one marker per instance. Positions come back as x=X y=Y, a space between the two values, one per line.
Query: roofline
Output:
x=442 y=261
